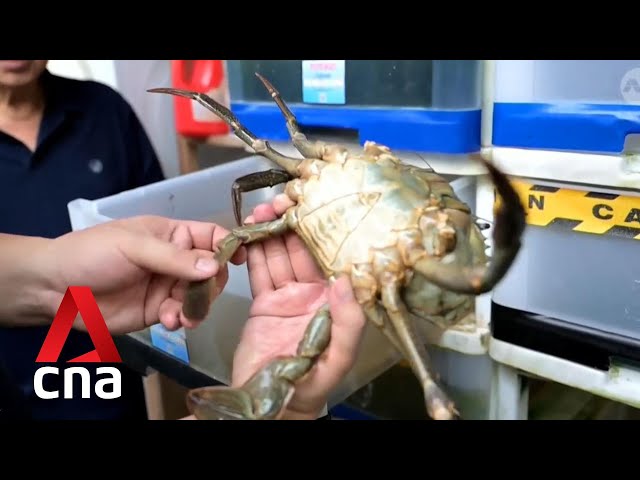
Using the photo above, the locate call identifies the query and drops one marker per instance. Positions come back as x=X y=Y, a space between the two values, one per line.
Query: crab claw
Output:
x=220 y=403
x=509 y=226
x=264 y=397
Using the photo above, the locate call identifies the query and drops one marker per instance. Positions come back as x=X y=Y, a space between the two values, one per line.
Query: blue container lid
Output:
x=413 y=129
x=583 y=127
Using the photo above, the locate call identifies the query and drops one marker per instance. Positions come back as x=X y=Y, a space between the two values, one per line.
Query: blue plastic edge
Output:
x=585 y=127
x=348 y=413
x=434 y=131
x=170 y=342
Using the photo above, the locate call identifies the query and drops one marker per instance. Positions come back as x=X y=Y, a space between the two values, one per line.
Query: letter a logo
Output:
x=79 y=300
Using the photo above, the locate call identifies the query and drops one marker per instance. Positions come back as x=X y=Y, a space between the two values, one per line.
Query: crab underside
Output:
x=410 y=247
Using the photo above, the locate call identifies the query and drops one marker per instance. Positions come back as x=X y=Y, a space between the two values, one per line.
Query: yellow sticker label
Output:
x=597 y=213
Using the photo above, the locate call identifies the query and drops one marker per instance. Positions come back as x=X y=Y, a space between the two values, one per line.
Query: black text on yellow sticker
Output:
x=591 y=212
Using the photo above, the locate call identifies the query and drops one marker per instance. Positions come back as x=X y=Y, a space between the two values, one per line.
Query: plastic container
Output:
x=418 y=105
x=578 y=262
x=204 y=76
x=620 y=382
x=206 y=195
x=586 y=106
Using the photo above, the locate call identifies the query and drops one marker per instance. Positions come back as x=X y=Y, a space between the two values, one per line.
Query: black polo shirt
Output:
x=90 y=145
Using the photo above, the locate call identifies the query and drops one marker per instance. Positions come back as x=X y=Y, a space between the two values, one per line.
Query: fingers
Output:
x=171 y=317
x=161 y=287
x=204 y=235
x=281 y=203
x=300 y=265
x=169 y=313
x=348 y=320
x=304 y=266
x=166 y=258
x=199 y=232
x=275 y=250
x=259 y=276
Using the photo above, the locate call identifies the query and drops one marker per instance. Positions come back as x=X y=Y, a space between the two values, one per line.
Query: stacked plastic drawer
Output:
x=569 y=309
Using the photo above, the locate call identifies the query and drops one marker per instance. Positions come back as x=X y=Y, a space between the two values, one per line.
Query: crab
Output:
x=411 y=248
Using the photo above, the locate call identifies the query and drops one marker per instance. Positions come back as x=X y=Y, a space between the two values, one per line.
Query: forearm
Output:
x=24 y=282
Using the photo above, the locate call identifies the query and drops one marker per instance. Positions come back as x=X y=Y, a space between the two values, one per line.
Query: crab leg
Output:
x=267 y=393
x=198 y=297
x=255 y=181
x=439 y=406
x=261 y=147
x=509 y=225
x=307 y=148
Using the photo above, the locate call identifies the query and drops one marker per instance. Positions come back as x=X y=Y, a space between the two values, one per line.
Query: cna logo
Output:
x=630 y=86
x=79 y=300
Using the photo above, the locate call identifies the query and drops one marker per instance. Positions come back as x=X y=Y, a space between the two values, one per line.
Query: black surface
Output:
x=12 y=405
x=140 y=356
x=576 y=343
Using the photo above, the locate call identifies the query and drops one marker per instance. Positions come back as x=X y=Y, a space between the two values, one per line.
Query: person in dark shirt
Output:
x=62 y=139
x=138 y=269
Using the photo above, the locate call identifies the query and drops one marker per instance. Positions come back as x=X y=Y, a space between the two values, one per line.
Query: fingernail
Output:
x=207 y=265
x=344 y=292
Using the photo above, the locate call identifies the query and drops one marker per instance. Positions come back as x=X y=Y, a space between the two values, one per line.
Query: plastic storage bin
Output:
x=417 y=105
x=577 y=269
x=586 y=106
x=206 y=195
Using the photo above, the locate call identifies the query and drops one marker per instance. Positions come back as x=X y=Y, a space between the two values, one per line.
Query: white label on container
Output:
x=323 y=81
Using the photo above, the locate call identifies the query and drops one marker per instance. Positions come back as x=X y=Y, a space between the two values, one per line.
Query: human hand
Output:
x=288 y=288
x=137 y=268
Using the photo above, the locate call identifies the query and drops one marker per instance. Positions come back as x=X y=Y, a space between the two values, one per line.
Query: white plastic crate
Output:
x=569 y=120
x=576 y=262
x=206 y=195
x=577 y=105
x=575 y=276
x=620 y=383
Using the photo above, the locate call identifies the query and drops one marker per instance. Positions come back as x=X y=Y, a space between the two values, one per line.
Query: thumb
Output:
x=347 y=315
x=165 y=258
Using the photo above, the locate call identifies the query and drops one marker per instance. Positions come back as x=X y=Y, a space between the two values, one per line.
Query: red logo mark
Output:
x=79 y=300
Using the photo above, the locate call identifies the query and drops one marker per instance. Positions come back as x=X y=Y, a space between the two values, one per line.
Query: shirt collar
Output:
x=58 y=96
x=63 y=104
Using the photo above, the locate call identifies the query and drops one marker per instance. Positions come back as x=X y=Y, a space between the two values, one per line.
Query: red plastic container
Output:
x=204 y=76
